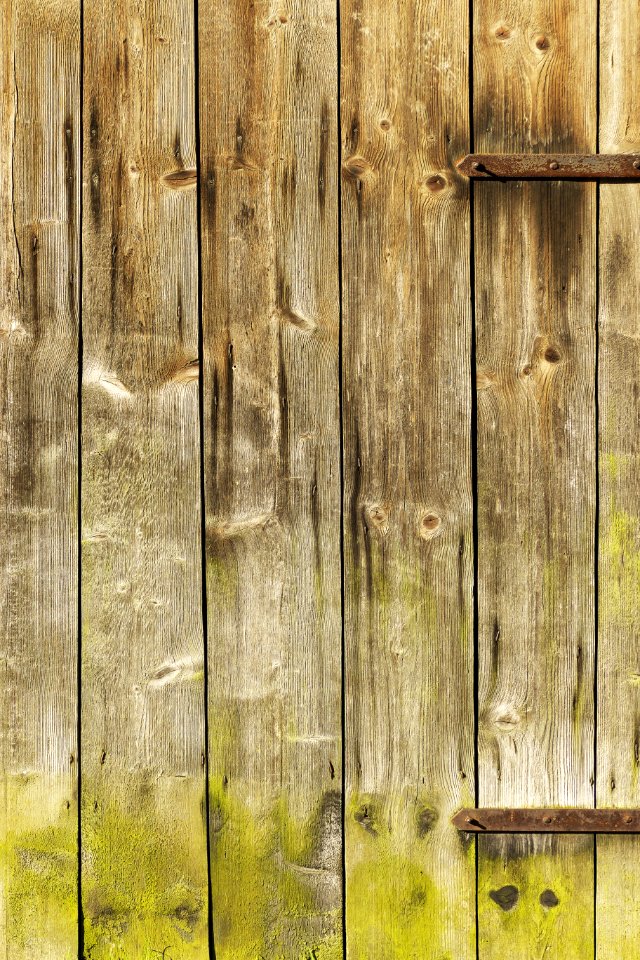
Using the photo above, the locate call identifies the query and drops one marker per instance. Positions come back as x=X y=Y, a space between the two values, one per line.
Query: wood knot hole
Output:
x=430 y=525
x=505 y=897
x=548 y=899
x=502 y=32
x=541 y=42
x=436 y=183
x=552 y=355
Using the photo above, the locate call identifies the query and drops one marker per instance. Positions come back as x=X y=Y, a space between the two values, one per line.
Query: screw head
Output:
x=628 y=819
x=547 y=819
x=554 y=165
x=476 y=165
x=636 y=164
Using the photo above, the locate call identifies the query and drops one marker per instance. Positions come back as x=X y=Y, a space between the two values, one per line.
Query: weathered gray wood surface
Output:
x=39 y=211
x=407 y=485
x=535 y=321
x=272 y=475
x=144 y=866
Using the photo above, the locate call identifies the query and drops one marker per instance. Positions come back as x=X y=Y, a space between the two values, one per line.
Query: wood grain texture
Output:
x=535 y=303
x=272 y=470
x=144 y=870
x=618 y=745
x=407 y=497
x=39 y=210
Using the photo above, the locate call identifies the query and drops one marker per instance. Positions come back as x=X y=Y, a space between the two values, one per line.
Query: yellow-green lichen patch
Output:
x=535 y=897
x=39 y=867
x=276 y=881
x=620 y=590
x=410 y=883
x=618 y=897
x=144 y=872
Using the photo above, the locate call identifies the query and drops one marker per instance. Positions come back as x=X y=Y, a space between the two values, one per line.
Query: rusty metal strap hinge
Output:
x=544 y=166
x=547 y=820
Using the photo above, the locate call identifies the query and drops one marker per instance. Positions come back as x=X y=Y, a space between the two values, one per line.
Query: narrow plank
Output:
x=534 y=91
x=272 y=469
x=407 y=500
x=39 y=136
x=618 y=746
x=144 y=869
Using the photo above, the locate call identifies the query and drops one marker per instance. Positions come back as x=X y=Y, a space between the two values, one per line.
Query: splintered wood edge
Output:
x=544 y=166
x=547 y=820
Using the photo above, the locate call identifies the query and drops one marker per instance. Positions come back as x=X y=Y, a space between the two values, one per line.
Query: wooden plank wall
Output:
x=280 y=591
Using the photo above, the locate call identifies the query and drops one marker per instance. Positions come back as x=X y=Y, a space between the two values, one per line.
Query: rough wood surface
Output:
x=272 y=469
x=618 y=744
x=407 y=496
x=535 y=303
x=144 y=870
x=39 y=209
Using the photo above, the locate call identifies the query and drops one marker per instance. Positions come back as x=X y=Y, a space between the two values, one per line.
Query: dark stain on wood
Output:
x=425 y=820
x=323 y=156
x=354 y=505
x=284 y=416
x=315 y=522
x=506 y=897
x=95 y=168
x=548 y=899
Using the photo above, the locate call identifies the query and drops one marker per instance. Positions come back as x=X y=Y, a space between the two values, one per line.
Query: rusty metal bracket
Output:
x=544 y=166
x=547 y=820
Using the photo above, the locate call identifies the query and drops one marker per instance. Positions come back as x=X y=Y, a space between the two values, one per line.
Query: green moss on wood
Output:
x=275 y=879
x=144 y=875
x=410 y=883
x=39 y=867
x=620 y=595
x=535 y=898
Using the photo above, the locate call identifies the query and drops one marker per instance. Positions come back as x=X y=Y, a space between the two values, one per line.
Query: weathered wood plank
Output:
x=144 y=875
x=618 y=746
x=272 y=469
x=534 y=90
x=407 y=505
x=39 y=212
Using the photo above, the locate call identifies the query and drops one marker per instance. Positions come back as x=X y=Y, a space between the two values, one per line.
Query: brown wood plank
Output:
x=547 y=820
x=144 y=868
x=39 y=213
x=534 y=91
x=550 y=166
x=618 y=746
x=407 y=501
x=272 y=469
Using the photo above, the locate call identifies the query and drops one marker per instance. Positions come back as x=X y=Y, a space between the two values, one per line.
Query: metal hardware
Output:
x=547 y=820
x=541 y=166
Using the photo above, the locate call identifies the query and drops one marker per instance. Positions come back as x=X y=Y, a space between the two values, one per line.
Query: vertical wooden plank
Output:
x=534 y=90
x=407 y=505
x=272 y=469
x=618 y=744
x=39 y=193
x=144 y=870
